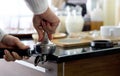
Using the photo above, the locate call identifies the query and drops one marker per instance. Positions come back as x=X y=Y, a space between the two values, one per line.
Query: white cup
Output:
x=110 y=31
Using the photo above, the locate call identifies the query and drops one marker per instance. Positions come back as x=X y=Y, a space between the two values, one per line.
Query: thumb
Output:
x=20 y=45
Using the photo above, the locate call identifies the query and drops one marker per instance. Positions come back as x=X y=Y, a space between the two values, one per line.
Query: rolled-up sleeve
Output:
x=37 y=6
x=2 y=34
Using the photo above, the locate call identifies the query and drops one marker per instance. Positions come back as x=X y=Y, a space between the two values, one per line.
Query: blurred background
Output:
x=75 y=15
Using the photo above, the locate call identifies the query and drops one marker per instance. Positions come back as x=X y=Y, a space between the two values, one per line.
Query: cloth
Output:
x=37 y=6
x=77 y=1
x=2 y=34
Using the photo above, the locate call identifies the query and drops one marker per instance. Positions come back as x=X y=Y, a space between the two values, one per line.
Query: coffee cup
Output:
x=110 y=31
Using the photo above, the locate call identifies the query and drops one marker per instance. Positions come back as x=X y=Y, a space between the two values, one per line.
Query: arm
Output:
x=8 y=41
x=44 y=19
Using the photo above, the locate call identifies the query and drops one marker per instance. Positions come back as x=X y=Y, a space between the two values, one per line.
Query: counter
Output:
x=69 y=62
x=83 y=62
x=65 y=55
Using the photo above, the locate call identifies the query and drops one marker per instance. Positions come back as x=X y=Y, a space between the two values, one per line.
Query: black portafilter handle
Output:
x=19 y=51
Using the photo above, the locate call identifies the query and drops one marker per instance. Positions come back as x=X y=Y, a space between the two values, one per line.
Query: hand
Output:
x=47 y=22
x=52 y=19
x=12 y=42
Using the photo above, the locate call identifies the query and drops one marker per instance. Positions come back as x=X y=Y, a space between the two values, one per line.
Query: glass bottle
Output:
x=109 y=12
x=96 y=18
x=117 y=13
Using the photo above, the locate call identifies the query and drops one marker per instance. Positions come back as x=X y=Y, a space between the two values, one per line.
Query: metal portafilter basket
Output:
x=46 y=47
x=40 y=50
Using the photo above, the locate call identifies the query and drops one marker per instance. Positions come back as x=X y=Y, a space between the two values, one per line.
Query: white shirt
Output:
x=36 y=6
x=77 y=1
x=2 y=34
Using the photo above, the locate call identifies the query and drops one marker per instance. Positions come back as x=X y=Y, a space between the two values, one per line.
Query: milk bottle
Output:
x=74 y=23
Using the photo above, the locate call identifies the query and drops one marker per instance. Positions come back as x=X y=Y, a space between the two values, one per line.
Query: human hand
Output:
x=12 y=42
x=47 y=22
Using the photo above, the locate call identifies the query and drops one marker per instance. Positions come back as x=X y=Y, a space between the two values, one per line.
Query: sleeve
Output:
x=2 y=34
x=37 y=6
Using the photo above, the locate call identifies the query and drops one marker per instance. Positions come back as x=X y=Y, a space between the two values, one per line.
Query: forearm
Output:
x=37 y=6
x=2 y=34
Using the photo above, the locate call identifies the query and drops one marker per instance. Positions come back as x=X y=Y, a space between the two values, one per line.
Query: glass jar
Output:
x=74 y=22
x=62 y=16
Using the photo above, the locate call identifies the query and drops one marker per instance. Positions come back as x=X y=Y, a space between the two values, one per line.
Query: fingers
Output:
x=52 y=19
x=13 y=56
x=41 y=28
x=20 y=45
x=8 y=56
x=37 y=25
x=16 y=56
x=51 y=28
x=14 y=42
x=47 y=27
x=40 y=32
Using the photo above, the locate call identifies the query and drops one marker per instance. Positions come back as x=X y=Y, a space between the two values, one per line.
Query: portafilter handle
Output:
x=40 y=51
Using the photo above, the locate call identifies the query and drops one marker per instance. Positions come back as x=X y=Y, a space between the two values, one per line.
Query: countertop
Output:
x=69 y=54
x=64 y=55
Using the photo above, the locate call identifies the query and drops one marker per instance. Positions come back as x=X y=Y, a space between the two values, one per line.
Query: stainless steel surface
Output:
x=43 y=49
x=47 y=46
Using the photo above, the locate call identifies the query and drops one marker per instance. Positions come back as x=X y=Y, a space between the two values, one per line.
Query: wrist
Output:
x=45 y=14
